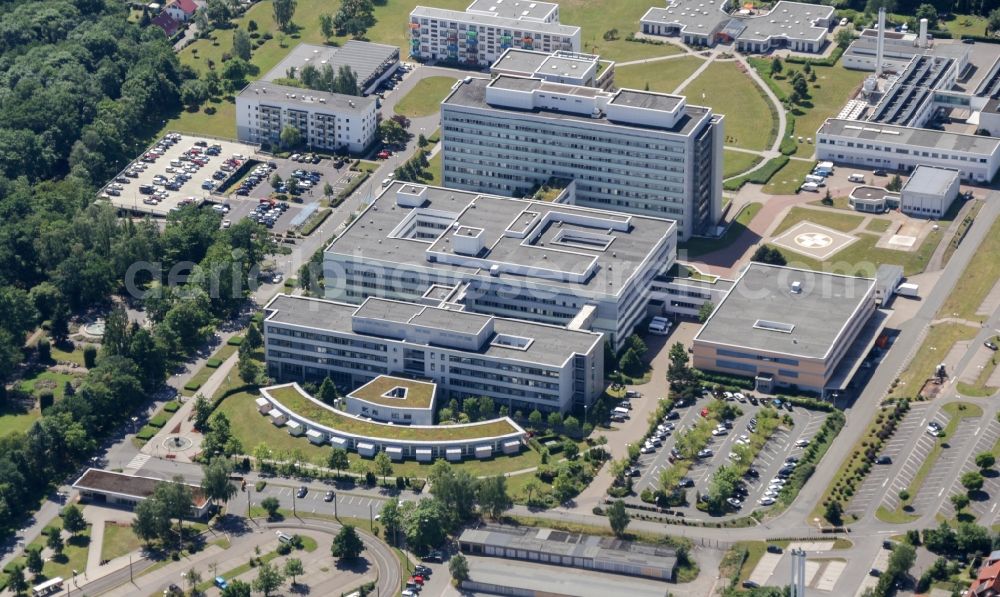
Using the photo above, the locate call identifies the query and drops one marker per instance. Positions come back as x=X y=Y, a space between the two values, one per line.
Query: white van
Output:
x=856 y=177
x=819 y=180
x=620 y=411
x=809 y=186
x=658 y=328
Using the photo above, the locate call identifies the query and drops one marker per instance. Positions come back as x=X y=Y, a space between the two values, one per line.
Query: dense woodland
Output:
x=81 y=90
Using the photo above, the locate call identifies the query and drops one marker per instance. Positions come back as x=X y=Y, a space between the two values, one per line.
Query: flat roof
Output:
x=366 y=59
x=793 y=20
x=128 y=485
x=520 y=61
x=411 y=393
x=553 y=28
x=514 y=9
x=867 y=192
x=473 y=95
x=762 y=313
x=632 y=238
x=644 y=99
x=541 y=579
x=265 y=92
x=931 y=180
x=902 y=135
x=551 y=344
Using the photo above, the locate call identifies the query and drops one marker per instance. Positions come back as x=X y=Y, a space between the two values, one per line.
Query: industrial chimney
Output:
x=880 y=43
x=922 y=39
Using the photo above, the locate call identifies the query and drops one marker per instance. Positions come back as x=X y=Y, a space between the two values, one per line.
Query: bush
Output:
x=159 y=420
x=192 y=386
x=46 y=399
x=172 y=406
x=417 y=485
x=89 y=356
x=830 y=61
x=260 y=485
x=44 y=348
x=146 y=433
x=235 y=341
x=213 y=363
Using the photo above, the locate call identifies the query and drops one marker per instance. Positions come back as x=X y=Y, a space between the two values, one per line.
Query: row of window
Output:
x=901 y=150
x=725 y=352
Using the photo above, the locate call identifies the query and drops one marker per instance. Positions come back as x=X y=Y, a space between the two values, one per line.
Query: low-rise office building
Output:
x=587 y=70
x=371 y=63
x=786 y=327
x=795 y=26
x=106 y=487
x=394 y=399
x=487 y=28
x=328 y=121
x=532 y=260
x=929 y=192
x=520 y=364
x=632 y=151
x=872 y=200
x=892 y=147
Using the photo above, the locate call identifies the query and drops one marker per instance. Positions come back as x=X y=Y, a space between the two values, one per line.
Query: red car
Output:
x=704 y=412
x=417 y=579
x=382 y=155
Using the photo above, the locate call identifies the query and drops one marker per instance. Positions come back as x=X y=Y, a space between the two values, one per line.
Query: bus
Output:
x=48 y=587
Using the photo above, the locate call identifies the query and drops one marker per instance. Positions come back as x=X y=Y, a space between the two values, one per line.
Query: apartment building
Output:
x=630 y=151
x=539 y=261
x=480 y=34
x=325 y=120
x=521 y=364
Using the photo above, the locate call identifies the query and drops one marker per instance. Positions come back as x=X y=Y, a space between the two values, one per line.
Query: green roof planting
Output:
x=418 y=394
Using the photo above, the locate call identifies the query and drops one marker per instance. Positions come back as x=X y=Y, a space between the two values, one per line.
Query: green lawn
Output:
x=252 y=429
x=830 y=219
x=11 y=422
x=663 y=76
x=977 y=280
x=425 y=97
x=596 y=18
x=749 y=122
x=220 y=124
x=878 y=225
x=791 y=176
x=696 y=247
x=47 y=380
x=979 y=388
x=434 y=168
x=939 y=341
x=73 y=557
x=965 y=25
x=118 y=541
x=827 y=95
x=738 y=162
x=862 y=257
x=71 y=357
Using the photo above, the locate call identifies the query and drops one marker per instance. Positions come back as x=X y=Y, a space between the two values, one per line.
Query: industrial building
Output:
x=328 y=121
x=788 y=327
x=794 y=26
x=631 y=151
x=371 y=63
x=574 y=550
x=570 y=68
x=539 y=261
x=929 y=191
x=487 y=28
x=520 y=364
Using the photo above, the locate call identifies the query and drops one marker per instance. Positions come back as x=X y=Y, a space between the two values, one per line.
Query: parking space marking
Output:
x=831 y=574
x=765 y=568
x=933 y=488
x=812 y=567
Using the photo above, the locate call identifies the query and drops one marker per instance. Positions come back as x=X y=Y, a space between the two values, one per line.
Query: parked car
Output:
x=883 y=460
x=771 y=548
x=301 y=493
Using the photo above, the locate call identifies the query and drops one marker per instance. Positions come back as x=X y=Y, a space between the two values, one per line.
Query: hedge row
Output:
x=831 y=60
x=146 y=433
x=235 y=341
x=346 y=191
x=314 y=222
x=788 y=144
x=172 y=406
x=192 y=386
x=159 y=420
x=213 y=363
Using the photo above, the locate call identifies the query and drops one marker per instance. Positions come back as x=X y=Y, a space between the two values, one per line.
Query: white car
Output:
x=226 y=223
x=646 y=449
x=717 y=432
x=766 y=501
x=770 y=493
x=801 y=443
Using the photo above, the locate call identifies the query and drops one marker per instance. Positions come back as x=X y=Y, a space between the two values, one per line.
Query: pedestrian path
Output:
x=137 y=461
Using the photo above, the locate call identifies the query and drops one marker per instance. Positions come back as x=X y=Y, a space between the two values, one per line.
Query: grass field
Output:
x=425 y=97
x=73 y=557
x=596 y=18
x=118 y=541
x=940 y=338
x=832 y=87
x=70 y=357
x=11 y=421
x=434 y=167
x=252 y=429
x=220 y=124
x=47 y=380
x=788 y=180
x=977 y=280
x=830 y=219
x=979 y=388
x=663 y=76
x=878 y=225
x=737 y=162
x=965 y=25
x=700 y=246
x=729 y=91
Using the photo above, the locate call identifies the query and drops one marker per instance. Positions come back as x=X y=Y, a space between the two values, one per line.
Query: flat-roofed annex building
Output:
x=521 y=364
x=632 y=151
x=394 y=399
x=785 y=326
x=533 y=260
x=487 y=28
x=371 y=63
x=570 y=68
x=119 y=489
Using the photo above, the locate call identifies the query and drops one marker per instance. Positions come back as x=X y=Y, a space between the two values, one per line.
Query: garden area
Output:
x=738 y=162
x=730 y=91
x=662 y=76
x=696 y=247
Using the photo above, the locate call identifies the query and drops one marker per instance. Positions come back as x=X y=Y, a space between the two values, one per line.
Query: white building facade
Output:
x=632 y=151
x=325 y=120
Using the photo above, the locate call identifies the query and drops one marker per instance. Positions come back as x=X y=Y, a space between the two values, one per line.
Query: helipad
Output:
x=813 y=240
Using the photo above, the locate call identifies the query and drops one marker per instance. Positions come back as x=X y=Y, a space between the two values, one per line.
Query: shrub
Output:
x=192 y=386
x=172 y=406
x=159 y=420
x=146 y=433
x=235 y=341
x=46 y=399
x=260 y=485
x=89 y=356
x=213 y=363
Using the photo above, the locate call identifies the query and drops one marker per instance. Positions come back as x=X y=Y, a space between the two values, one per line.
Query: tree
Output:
x=34 y=560
x=241 y=44
x=290 y=137
x=392 y=519
x=618 y=517
x=901 y=560
x=73 y=520
x=327 y=190
x=972 y=481
x=895 y=184
x=271 y=505
x=151 y=522
x=800 y=86
x=193 y=578
x=425 y=523
x=570 y=449
x=535 y=419
x=55 y=541
x=993 y=21
x=769 y=255
x=456 y=491
x=283 y=10
x=571 y=426
x=89 y=356
x=347 y=545
x=929 y=12
x=326 y=26
x=959 y=501
x=44 y=348
x=555 y=420
x=202 y=412
x=834 y=512
x=293 y=568
x=492 y=496
x=776 y=66
x=16 y=581
x=844 y=37
x=327 y=392
x=235 y=73
x=215 y=482
x=458 y=566
x=354 y=18
x=531 y=488
x=383 y=465
x=249 y=369
x=985 y=461
x=236 y=587
x=275 y=181
x=337 y=460
x=391 y=133
x=636 y=343
x=268 y=580
x=630 y=363
x=705 y=311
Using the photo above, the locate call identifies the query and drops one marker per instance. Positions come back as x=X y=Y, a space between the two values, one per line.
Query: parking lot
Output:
x=936 y=483
x=348 y=504
x=905 y=474
x=987 y=511
x=767 y=463
x=164 y=159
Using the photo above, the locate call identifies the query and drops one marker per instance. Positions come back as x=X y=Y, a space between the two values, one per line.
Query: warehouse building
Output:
x=929 y=192
x=520 y=364
x=631 y=151
x=539 y=261
x=486 y=29
x=328 y=121
x=570 y=68
x=371 y=63
x=787 y=327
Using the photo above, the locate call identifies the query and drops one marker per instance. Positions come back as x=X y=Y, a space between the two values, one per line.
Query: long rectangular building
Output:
x=631 y=151
x=487 y=28
x=325 y=120
x=540 y=261
x=521 y=364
